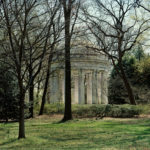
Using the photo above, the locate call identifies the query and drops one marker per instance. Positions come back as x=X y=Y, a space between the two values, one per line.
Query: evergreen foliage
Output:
x=9 y=106
x=137 y=68
x=143 y=69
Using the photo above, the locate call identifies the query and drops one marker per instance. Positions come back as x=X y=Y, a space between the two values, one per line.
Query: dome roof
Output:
x=82 y=58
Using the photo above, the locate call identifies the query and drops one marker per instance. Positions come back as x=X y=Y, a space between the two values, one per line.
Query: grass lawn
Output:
x=79 y=134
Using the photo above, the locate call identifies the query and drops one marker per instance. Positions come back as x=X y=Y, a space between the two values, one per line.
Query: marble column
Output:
x=94 y=87
x=104 y=90
x=81 y=87
x=48 y=94
x=61 y=86
x=99 y=93
x=89 y=88
x=54 y=88
x=76 y=88
x=72 y=88
x=51 y=87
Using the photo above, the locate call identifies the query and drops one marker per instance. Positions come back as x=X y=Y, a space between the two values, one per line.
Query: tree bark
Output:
x=38 y=89
x=31 y=99
x=45 y=90
x=21 y=111
x=127 y=85
x=31 y=91
x=67 y=113
x=67 y=14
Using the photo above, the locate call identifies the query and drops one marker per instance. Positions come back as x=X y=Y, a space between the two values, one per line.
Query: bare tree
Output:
x=143 y=4
x=11 y=11
x=70 y=9
x=20 y=43
x=112 y=32
x=54 y=38
x=39 y=42
x=36 y=41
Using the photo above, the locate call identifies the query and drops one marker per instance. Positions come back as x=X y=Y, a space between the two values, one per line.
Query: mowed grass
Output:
x=79 y=134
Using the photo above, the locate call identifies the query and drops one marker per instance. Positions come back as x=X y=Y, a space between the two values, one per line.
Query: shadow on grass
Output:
x=112 y=132
x=62 y=121
x=9 y=142
x=87 y=135
x=96 y=140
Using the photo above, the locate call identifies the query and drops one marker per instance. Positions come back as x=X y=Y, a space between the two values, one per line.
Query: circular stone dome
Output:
x=82 y=57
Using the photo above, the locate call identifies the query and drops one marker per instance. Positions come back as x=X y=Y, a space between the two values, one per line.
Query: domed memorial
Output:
x=89 y=74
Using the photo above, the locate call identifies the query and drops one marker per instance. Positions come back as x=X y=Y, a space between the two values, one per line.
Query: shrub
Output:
x=98 y=111
x=117 y=111
x=57 y=108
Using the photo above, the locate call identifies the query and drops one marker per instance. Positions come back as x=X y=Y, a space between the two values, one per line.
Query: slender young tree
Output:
x=56 y=38
x=39 y=43
x=54 y=15
x=35 y=43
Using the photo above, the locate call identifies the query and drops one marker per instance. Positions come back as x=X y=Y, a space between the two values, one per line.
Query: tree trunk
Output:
x=21 y=113
x=38 y=89
x=31 y=99
x=46 y=81
x=31 y=90
x=45 y=90
x=67 y=113
x=127 y=85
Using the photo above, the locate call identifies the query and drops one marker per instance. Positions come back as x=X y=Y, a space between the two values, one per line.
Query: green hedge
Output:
x=117 y=111
x=99 y=111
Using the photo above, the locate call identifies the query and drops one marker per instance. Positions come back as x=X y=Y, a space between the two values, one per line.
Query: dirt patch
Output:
x=59 y=117
x=54 y=116
x=144 y=116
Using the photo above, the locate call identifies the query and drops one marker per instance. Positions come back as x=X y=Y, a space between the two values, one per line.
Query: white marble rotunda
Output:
x=89 y=73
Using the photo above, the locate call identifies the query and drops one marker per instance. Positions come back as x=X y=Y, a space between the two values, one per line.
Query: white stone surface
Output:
x=89 y=80
x=89 y=87
x=104 y=94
